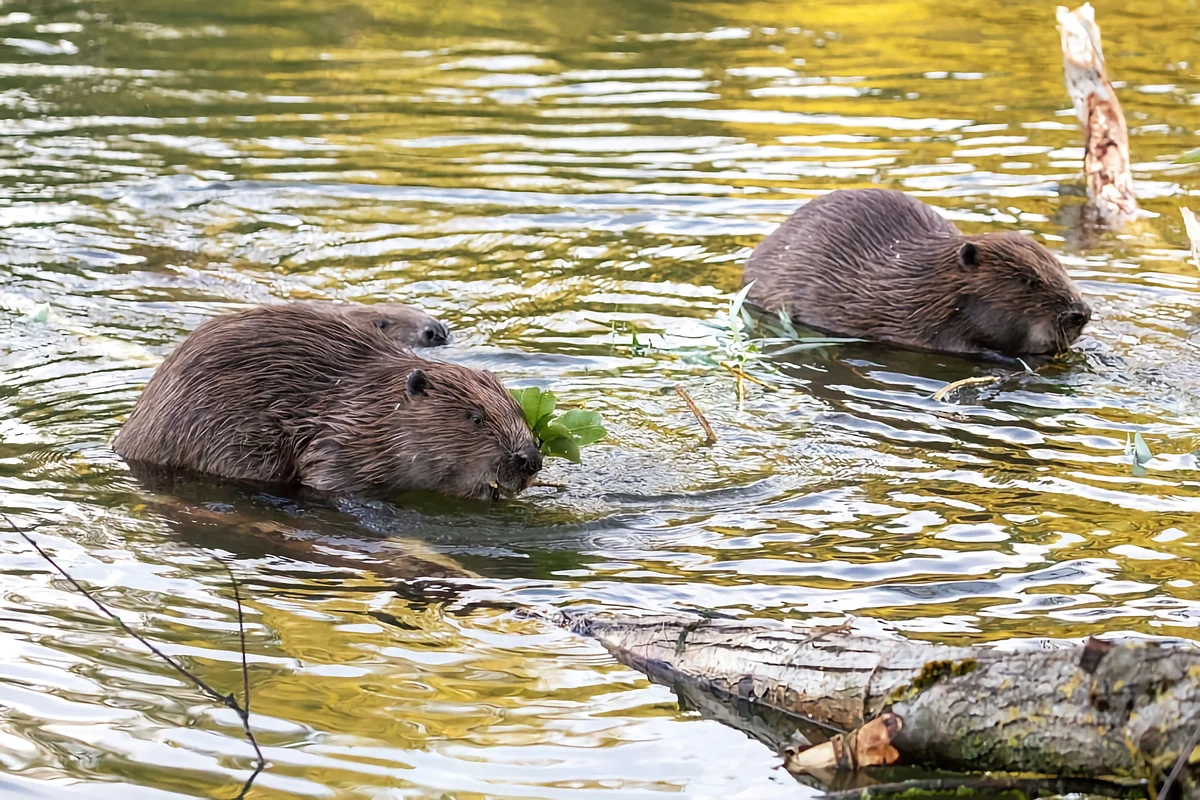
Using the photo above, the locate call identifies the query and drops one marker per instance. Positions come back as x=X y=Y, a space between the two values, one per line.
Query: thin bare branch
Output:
x=243 y=712
x=687 y=398
x=746 y=376
x=237 y=597
x=1180 y=763
x=225 y=699
x=949 y=388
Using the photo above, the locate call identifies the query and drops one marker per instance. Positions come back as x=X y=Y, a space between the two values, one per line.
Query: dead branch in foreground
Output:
x=1105 y=137
x=1125 y=711
x=229 y=700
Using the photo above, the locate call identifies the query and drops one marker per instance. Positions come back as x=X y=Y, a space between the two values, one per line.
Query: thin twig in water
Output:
x=228 y=700
x=244 y=711
x=745 y=376
x=941 y=393
x=687 y=398
x=1184 y=755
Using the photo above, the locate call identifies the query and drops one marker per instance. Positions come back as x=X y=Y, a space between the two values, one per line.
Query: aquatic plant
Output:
x=560 y=436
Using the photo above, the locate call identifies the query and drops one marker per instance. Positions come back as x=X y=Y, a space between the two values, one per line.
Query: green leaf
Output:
x=540 y=426
x=1141 y=453
x=554 y=430
x=814 y=344
x=586 y=427
x=1190 y=157
x=546 y=405
x=785 y=319
x=535 y=404
x=560 y=437
x=735 y=305
x=527 y=399
x=563 y=447
x=39 y=314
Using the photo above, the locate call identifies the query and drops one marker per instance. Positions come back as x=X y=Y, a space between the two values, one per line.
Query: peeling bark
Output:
x=1123 y=710
x=1105 y=137
x=868 y=746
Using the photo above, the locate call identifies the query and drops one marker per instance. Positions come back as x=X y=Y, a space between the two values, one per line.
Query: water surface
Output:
x=549 y=178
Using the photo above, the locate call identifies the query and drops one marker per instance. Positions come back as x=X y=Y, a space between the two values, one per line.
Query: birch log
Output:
x=1124 y=710
x=1105 y=137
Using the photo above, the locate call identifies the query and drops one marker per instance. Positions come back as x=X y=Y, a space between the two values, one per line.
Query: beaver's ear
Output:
x=968 y=255
x=417 y=383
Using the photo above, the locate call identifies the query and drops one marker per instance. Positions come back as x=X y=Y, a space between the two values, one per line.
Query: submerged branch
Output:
x=950 y=388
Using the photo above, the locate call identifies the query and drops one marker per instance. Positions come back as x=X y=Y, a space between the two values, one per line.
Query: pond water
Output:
x=550 y=178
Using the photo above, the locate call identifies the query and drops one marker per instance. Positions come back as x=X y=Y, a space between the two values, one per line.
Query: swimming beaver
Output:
x=408 y=325
x=300 y=394
x=878 y=264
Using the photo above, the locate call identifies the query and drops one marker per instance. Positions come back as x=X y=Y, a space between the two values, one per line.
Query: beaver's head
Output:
x=405 y=325
x=473 y=438
x=411 y=424
x=1015 y=297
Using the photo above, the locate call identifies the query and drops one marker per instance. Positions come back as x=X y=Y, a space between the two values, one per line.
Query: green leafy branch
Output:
x=742 y=351
x=560 y=436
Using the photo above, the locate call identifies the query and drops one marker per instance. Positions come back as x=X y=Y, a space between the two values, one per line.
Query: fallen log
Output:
x=1123 y=711
x=1111 y=196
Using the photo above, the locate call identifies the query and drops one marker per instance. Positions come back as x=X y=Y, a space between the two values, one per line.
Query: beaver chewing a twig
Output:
x=878 y=264
x=302 y=393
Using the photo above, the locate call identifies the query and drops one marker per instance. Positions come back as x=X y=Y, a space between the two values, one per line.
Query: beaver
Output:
x=300 y=394
x=878 y=264
x=408 y=325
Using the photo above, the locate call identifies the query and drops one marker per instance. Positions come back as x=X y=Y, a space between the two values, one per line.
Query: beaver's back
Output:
x=239 y=396
x=838 y=249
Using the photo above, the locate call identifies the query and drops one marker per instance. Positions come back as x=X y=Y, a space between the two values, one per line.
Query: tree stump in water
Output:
x=1105 y=137
x=1123 y=710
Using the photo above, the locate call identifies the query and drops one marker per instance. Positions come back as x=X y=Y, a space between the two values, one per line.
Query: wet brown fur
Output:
x=300 y=394
x=878 y=264
x=406 y=325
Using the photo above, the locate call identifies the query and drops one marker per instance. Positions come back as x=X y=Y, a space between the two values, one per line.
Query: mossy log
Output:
x=1123 y=710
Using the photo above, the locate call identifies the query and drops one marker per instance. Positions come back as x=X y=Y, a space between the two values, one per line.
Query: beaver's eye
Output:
x=381 y=324
x=476 y=418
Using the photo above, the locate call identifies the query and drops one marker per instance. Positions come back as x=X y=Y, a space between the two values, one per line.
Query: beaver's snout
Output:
x=1076 y=316
x=527 y=460
x=435 y=334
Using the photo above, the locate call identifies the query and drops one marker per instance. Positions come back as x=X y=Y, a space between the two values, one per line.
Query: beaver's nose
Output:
x=435 y=333
x=1077 y=315
x=528 y=460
